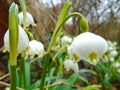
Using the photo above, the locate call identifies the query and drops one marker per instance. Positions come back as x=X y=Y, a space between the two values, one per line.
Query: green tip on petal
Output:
x=75 y=57
x=92 y=56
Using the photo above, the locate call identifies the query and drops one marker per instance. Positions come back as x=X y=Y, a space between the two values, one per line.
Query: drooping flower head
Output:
x=29 y=19
x=23 y=40
x=70 y=64
x=35 y=48
x=88 y=46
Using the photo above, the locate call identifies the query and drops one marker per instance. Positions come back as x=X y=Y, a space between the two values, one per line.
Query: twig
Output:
x=8 y=85
x=59 y=83
x=4 y=76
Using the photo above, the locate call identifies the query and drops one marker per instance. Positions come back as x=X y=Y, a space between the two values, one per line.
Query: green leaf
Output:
x=35 y=85
x=83 y=79
x=62 y=87
x=51 y=75
x=63 y=14
x=58 y=27
x=13 y=33
x=93 y=87
x=73 y=78
x=87 y=71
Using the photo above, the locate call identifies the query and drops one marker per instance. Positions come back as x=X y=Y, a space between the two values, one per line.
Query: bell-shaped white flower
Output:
x=22 y=42
x=29 y=19
x=35 y=48
x=88 y=46
x=66 y=39
x=70 y=64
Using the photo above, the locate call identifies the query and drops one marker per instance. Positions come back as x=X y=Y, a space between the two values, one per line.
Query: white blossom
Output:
x=29 y=19
x=23 y=40
x=116 y=65
x=88 y=46
x=66 y=39
x=35 y=48
x=70 y=64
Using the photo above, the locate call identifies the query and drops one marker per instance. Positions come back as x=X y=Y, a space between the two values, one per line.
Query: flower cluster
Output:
x=62 y=41
x=116 y=65
x=31 y=48
x=112 y=50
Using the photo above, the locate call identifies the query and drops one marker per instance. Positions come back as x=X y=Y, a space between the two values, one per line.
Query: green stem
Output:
x=22 y=73
x=58 y=30
x=12 y=77
x=46 y=59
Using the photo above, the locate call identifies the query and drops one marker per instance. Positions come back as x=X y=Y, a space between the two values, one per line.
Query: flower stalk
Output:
x=61 y=20
x=23 y=6
x=83 y=23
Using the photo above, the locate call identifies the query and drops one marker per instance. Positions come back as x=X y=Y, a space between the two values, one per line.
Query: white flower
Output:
x=55 y=48
x=7 y=88
x=88 y=46
x=29 y=19
x=66 y=39
x=112 y=45
x=35 y=48
x=112 y=59
x=113 y=53
x=70 y=64
x=116 y=65
x=22 y=42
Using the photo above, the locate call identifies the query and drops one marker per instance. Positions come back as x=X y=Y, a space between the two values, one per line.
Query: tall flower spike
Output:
x=29 y=19
x=35 y=48
x=70 y=64
x=22 y=42
x=88 y=46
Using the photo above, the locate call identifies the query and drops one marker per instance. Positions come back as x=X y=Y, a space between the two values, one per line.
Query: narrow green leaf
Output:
x=35 y=85
x=87 y=71
x=13 y=33
x=73 y=78
x=61 y=19
x=83 y=79
x=51 y=75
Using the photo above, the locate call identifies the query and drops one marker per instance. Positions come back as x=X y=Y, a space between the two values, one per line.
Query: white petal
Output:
x=66 y=39
x=36 y=48
x=70 y=64
x=29 y=19
x=86 y=43
x=22 y=42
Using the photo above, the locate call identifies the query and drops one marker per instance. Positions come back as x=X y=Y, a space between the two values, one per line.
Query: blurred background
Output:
x=103 y=17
